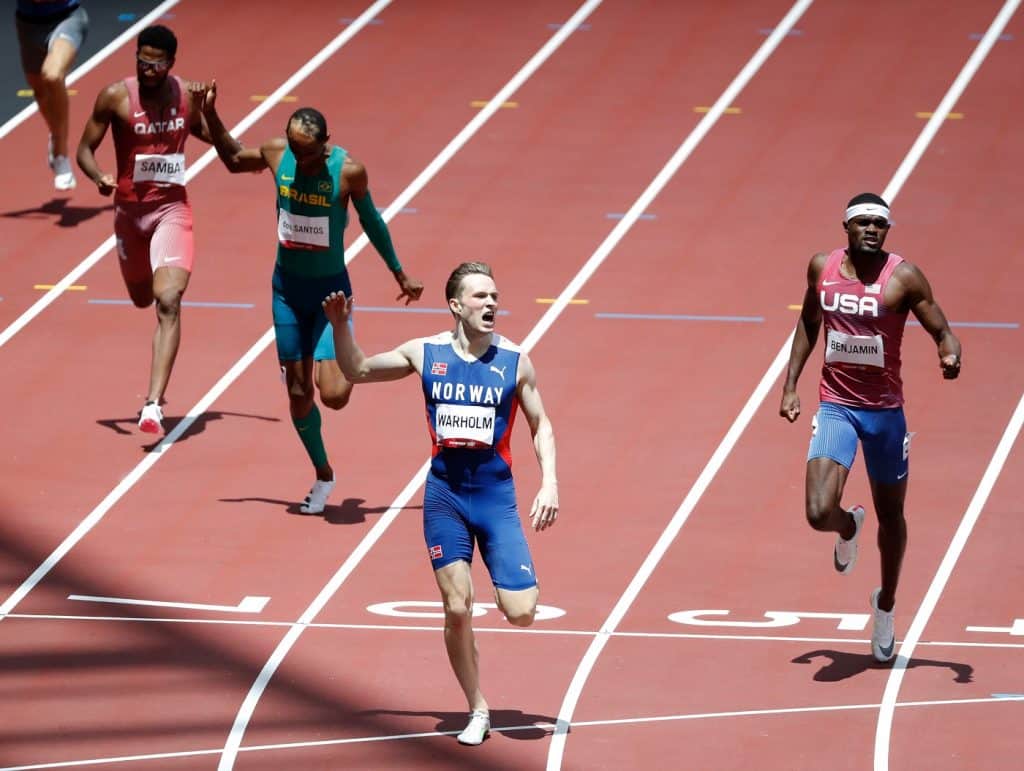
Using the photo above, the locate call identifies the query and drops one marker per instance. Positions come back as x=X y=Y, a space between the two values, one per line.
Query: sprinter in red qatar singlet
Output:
x=150 y=116
x=863 y=295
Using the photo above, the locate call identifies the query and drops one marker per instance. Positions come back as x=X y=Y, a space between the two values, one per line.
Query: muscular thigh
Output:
x=495 y=522
x=445 y=528
x=886 y=445
x=833 y=435
x=172 y=244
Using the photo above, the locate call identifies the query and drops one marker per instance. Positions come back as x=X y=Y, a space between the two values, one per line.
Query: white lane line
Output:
x=247 y=605
x=883 y=731
x=234 y=739
x=365 y=18
x=557 y=747
x=498 y=630
x=540 y=725
x=95 y=60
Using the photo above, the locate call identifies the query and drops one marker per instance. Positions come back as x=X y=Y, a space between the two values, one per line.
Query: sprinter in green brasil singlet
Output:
x=314 y=182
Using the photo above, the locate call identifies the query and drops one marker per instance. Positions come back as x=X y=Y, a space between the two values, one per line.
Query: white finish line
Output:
x=247 y=605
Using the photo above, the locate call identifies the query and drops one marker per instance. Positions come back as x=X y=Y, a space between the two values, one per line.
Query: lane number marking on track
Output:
x=853 y=622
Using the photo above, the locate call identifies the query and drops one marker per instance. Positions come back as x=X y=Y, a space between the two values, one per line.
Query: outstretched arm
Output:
x=928 y=312
x=233 y=155
x=804 y=338
x=544 y=511
x=376 y=229
x=95 y=129
x=357 y=366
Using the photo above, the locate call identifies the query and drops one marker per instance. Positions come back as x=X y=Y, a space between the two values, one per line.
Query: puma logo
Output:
x=501 y=372
x=526 y=568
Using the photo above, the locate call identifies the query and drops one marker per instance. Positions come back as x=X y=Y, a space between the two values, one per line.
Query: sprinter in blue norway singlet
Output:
x=470 y=494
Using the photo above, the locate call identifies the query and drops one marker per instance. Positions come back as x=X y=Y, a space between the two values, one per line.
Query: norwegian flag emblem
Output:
x=439 y=368
x=436 y=552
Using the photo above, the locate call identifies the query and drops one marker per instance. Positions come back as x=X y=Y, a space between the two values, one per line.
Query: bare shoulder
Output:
x=910 y=282
x=352 y=168
x=815 y=266
x=113 y=95
x=818 y=261
x=526 y=373
x=274 y=145
x=412 y=350
x=271 y=151
x=908 y=275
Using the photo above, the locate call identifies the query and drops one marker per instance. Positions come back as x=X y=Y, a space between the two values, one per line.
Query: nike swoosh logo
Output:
x=830 y=283
x=172 y=259
x=887 y=650
x=286 y=179
x=901 y=476
x=140 y=114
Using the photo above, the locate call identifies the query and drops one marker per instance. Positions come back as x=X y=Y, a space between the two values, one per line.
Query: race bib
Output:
x=465 y=425
x=866 y=350
x=164 y=169
x=297 y=231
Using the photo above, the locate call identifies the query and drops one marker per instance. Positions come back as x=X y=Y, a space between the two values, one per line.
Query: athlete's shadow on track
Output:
x=130 y=425
x=351 y=511
x=512 y=723
x=67 y=216
x=842 y=665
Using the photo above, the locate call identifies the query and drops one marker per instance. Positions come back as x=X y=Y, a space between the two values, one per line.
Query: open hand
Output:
x=337 y=308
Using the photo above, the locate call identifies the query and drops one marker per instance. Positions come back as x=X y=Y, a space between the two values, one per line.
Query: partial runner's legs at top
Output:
x=47 y=56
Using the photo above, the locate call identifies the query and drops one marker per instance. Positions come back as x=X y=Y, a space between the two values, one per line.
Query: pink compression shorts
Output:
x=152 y=236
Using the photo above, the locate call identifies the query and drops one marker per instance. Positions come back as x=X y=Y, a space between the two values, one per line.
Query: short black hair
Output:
x=312 y=121
x=867 y=198
x=159 y=36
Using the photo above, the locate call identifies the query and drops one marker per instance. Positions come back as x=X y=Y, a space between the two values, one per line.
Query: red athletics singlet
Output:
x=863 y=336
x=150 y=148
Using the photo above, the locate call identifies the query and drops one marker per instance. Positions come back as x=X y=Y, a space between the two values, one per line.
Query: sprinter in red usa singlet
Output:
x=863 y=294
x=150 y=115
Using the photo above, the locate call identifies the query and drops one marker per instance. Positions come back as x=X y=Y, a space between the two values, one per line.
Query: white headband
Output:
x=871 y=209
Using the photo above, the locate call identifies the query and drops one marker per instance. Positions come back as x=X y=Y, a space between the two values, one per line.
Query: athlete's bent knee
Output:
x=336 y=401
x=818 y=516
x=52 y=75
x=521 y=617
x=169 y=303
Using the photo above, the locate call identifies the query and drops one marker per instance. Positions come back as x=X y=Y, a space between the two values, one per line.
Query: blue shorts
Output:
x=485 y=513
x=883 y=433
x=300 y=325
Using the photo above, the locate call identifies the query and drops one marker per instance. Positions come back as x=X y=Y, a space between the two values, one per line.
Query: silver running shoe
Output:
x=845 y=554
x=883 y=632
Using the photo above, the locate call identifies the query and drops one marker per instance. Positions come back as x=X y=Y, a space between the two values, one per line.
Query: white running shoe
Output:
x=477 y=730
x=844 y=557
x=883 y=632
x=151 y=418
x=63 y=177
x=317 y=498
